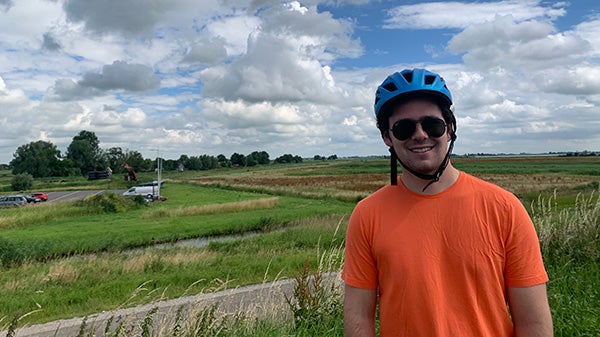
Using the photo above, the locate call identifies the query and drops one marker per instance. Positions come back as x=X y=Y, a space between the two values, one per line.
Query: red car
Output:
x=40 y=195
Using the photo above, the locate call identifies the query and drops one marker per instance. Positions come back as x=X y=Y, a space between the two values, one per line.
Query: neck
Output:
x=416 y=184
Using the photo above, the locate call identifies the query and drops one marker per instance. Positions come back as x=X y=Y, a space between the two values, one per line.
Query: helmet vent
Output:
x=429 y=79
x=408 y=76
x=391 y=87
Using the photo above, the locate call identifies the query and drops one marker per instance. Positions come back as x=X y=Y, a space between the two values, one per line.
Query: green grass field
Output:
x=75 y=259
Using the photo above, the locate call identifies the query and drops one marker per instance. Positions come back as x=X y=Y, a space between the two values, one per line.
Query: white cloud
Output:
x=10 y=97
x=119 y=75
x=285 y=59
x=460 y=15
x=273 y=69
x=575 y=80
x=505 y=43
x=589 y=31
x=234 y=30
x=132 y=117
x=24 y=23
x=128 y=17
x=207 y=51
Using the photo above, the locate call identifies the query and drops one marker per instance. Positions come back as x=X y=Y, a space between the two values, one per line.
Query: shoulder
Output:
x=379 y=197
x=494 y=200
x=486 y=194
x=377 y=203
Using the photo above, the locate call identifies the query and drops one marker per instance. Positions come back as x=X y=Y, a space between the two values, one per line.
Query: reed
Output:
x=239 y=206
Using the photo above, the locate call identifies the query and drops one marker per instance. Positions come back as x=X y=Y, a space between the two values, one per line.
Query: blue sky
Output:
x=207 y=77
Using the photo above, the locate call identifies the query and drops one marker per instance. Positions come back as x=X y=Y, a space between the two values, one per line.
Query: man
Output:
x=442 y=252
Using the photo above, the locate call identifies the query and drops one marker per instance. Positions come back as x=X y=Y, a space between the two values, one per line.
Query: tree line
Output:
x=43 y=159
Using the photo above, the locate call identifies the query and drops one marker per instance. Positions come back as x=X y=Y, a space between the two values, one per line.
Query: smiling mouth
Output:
x=422 y=149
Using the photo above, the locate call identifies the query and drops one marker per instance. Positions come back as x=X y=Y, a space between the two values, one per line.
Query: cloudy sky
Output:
x=222 y=76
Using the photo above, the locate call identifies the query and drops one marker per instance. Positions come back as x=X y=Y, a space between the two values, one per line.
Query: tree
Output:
x=250 y=161
x=193 y=163
x=223 y=161
x=137 y=161
x=169 y=165
x=260 y=157
x=85 y=153
x=208 y=162
x=114 y=157
x=238 y=159
x=40 y=159
x=288 y=159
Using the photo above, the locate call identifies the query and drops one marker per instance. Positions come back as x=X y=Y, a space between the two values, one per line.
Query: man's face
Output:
x=421 y=151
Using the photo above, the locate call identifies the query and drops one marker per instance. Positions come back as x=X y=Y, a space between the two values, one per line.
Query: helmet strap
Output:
x=432 y=177
x=393 y=167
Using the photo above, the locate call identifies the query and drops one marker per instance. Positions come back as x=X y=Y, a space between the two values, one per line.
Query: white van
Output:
x=146 y=191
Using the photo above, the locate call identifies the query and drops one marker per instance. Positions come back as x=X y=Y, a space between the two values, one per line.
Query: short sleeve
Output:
x=524 y=265
x=360 y=269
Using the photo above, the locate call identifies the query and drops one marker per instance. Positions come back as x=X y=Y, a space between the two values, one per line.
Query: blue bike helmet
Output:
x=411 y=83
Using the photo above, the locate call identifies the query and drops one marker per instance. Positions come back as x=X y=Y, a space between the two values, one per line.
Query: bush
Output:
x=21 y=182
x=110 y=203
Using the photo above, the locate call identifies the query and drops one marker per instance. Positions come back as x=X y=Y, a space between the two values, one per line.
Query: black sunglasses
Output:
x=405 y=128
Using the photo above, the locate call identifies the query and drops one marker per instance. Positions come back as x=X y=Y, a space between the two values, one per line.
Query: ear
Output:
x=385 y=135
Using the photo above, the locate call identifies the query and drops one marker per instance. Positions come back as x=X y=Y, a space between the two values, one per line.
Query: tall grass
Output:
x=570 y=243
x=569 y=235
x=39 y=213
x=239 y=206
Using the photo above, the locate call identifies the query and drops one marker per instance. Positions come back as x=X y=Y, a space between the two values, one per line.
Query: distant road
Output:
x=76 y=195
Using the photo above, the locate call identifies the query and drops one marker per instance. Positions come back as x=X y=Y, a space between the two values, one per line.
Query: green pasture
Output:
x=93 y=233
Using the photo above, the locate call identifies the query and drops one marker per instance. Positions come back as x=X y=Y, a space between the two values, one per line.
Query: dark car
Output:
x=31 y=198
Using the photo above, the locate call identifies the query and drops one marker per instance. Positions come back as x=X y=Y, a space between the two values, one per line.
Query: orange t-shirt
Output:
x=441 y=263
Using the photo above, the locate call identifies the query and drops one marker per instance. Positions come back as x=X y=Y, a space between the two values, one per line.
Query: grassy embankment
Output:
x=74 y=264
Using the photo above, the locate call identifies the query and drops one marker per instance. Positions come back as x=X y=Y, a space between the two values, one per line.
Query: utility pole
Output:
x=158 y=171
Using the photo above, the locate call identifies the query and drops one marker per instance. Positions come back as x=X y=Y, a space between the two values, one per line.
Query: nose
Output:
x=419 y=132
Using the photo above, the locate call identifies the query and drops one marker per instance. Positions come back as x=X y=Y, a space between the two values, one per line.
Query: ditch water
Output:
x=197 y=242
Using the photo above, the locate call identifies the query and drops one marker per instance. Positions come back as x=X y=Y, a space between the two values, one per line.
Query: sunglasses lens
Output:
x=434 y=127
x=405 y=128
